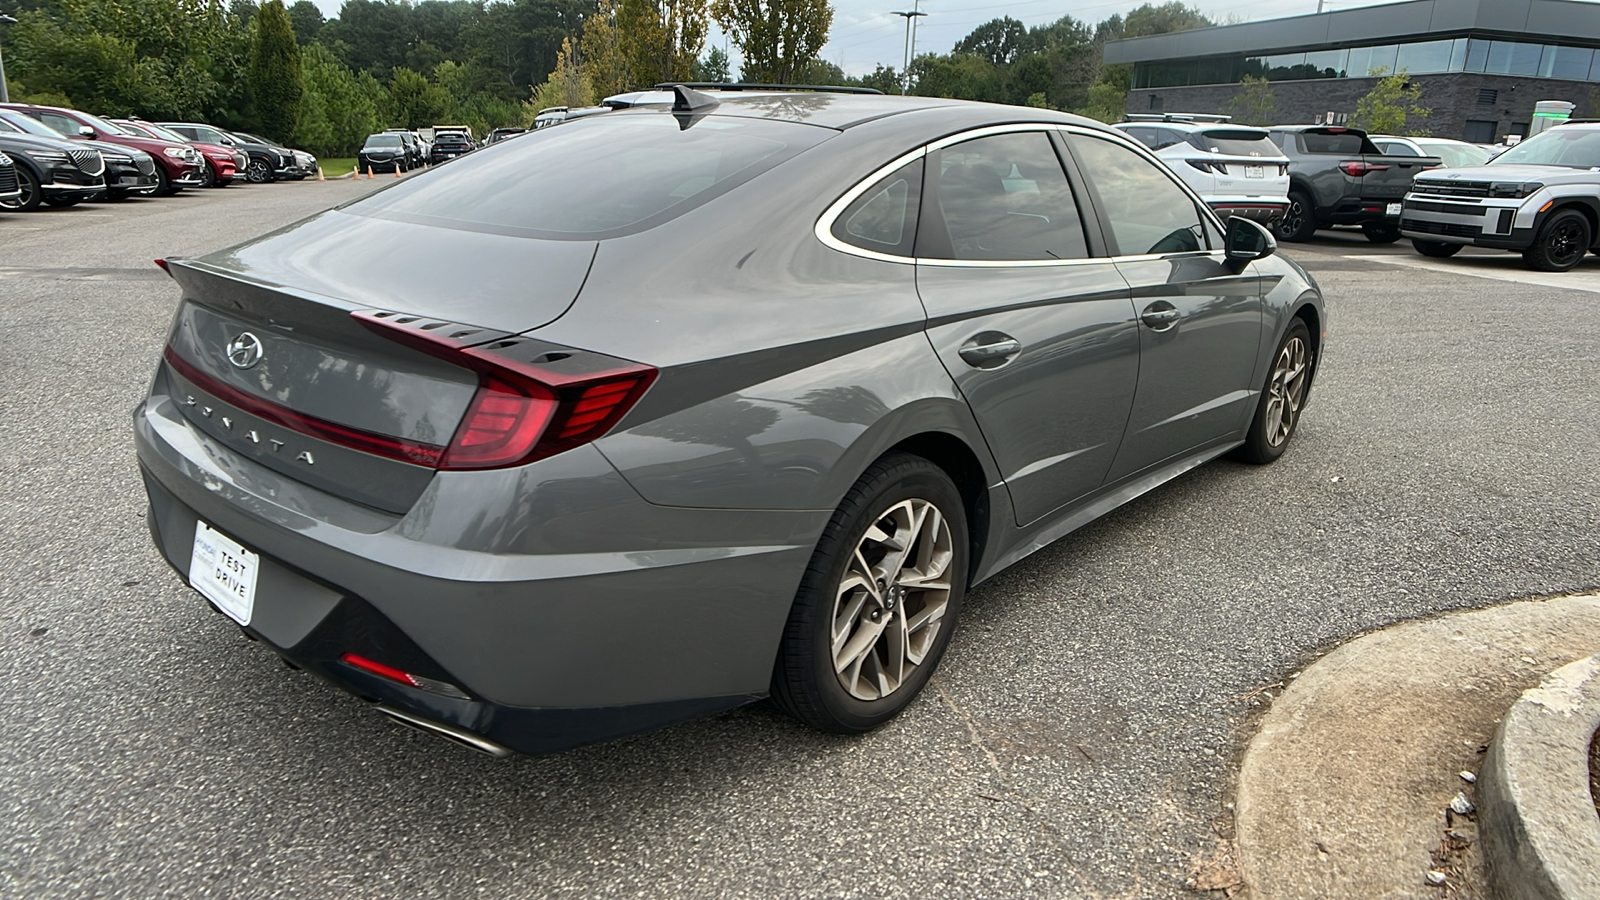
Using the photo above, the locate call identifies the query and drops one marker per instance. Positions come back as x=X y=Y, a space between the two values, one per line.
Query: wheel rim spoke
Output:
x=892 y=599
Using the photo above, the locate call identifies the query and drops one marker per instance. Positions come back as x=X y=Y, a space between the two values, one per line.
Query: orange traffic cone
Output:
x=369 y=172
x=319 y=174
x=397 y=170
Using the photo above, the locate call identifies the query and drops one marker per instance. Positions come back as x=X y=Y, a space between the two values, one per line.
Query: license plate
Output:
x=1392 y=209
x=1255 y=172
x=224 y=572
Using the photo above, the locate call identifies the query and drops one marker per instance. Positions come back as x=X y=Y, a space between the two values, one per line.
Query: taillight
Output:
x=1208 y=165
x=1356 y=168
x=525 y=409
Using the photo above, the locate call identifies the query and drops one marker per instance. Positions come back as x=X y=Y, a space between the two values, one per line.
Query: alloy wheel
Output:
x=1566 y=243
x=1286 y=391
x=891 y=602
x=257 y=172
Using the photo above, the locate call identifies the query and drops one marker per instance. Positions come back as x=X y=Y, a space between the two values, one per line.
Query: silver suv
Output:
x=1540 y=198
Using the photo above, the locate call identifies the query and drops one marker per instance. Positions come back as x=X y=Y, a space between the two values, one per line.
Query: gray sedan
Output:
x=673 y=408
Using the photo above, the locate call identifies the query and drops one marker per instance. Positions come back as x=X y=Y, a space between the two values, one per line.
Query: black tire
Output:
x=1299 y=221
x=164 y=186
x=1273 y=424
x=1561 y=243
x=804 y=680
x=1381 y=232
x=256 y=171
x=1436 y=249
x=31 y=195
x=62 y=202
x=209 y=177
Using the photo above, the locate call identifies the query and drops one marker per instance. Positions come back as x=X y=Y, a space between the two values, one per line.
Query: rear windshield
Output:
x=1563 y=146
x=451 y=137
x=1238 y=142
x=384 y=140
x=594 y=178
x=1344 y=143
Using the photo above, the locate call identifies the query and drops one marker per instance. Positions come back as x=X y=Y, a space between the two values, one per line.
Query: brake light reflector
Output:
x=402 y=677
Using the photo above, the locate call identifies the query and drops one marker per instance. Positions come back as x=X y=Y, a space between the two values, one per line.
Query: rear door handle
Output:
x=990 y=350
x=1160 y=315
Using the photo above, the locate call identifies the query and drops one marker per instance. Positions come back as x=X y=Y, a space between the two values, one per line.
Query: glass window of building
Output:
x=1571 y=63
x=1513 y=58
x=1424 y=57
x=1364 y=61
x=1327 y=63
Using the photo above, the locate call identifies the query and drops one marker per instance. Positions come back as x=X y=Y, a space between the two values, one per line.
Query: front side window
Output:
x=884 y=218
x=1147 y=211
x=59 y=123
x=1003 y=197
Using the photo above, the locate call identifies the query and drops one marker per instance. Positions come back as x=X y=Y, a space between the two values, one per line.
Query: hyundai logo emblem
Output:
x=244 y=351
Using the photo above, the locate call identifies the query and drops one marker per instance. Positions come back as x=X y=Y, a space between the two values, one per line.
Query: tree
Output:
x=600 y=50
x=1163 y=18
x=307 y=21
x=568 y=85
x=1390 y=104
x=661 y=39
x=275 y=80
x=1000 y=41
x=413 y=102
x=1254 y=104
x=337 y=111
x=1106 y=102
x=714 y=67
x=777 y=37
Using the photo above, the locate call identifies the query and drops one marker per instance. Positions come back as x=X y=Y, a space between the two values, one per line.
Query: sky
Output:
x=866 y=32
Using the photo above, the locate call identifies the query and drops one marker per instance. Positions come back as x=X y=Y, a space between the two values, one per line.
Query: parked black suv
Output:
x=51 y=170
x=448 y=145
x=385 y=152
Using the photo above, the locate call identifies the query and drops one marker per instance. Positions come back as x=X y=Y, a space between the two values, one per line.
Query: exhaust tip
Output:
x=448 y=732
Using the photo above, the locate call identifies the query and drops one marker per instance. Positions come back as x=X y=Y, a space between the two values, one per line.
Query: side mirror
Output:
x=85 y=131
x=1248 y=240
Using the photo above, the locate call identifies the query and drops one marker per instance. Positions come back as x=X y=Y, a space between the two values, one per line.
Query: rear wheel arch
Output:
x=953 y=455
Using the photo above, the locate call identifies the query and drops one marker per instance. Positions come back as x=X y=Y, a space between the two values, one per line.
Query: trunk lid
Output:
x=265 y=357
x=1392 y=182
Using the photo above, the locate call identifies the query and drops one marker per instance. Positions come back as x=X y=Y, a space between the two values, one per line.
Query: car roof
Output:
x=812 y=107
x=1188 y=126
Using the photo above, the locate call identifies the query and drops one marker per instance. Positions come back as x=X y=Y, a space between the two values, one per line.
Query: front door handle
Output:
x=990 y=350
x=1160 y=315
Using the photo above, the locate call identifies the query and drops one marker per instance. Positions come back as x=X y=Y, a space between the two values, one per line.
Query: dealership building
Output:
x=1481 y=64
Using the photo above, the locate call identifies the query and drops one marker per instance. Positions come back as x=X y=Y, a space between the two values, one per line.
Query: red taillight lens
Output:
x=524 y=411
x=1357 y=168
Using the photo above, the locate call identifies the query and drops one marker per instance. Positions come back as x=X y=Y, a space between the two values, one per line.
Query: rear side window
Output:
x=594 y=178
x=1147 y=211
x=1237 y=142
x=1395 y=148
x=1343 y=143
x=884 y=219
x=1003 y=197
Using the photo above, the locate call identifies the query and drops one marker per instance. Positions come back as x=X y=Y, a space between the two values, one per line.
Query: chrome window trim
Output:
x=824 y=227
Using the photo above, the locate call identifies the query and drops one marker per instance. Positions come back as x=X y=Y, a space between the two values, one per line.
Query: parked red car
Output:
x=177 y=165
x=221 y=163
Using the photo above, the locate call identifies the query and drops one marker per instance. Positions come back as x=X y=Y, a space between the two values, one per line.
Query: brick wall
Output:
x=1453 y=99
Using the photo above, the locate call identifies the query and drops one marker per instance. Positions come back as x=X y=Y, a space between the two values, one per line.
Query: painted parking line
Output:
x=1585 y=278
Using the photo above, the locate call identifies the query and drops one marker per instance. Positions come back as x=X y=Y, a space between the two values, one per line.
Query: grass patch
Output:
x=339 y=165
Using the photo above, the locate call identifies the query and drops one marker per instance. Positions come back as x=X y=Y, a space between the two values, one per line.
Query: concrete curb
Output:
x=1540 y=833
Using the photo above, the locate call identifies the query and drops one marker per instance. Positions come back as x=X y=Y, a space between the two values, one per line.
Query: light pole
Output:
x=905 y=68
x=5 y=94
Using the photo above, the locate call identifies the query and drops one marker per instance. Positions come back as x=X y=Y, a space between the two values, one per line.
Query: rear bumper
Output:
x=1263 y=211
x=552 y=646
x=1357 y=212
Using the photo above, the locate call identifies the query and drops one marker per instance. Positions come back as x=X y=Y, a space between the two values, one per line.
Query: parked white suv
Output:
x=1236 y=169
x=1452 y=154
x=1540 y=198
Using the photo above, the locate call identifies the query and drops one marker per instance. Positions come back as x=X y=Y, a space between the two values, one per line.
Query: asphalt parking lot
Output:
x=1078 y=741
